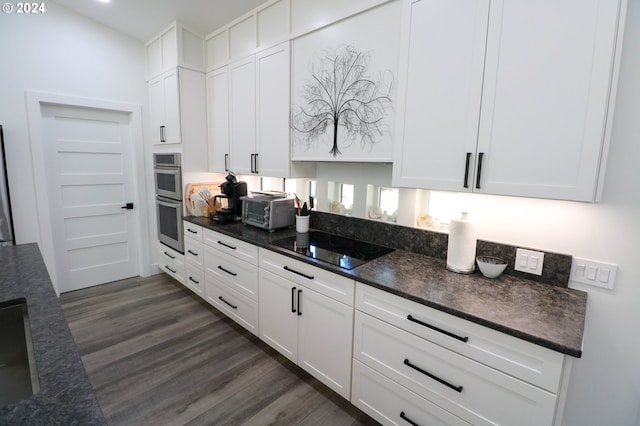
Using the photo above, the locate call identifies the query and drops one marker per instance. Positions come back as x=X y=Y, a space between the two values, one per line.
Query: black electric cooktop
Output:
x=335 y=250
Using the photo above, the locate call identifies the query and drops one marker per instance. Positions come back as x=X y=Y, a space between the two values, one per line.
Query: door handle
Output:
x=162 y=138
x=466 y=171
x=226 y=162
x=128 y=206
x=480 y=155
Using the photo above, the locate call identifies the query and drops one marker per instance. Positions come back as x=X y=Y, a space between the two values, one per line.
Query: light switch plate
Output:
x=599 y=274
x=529 y=261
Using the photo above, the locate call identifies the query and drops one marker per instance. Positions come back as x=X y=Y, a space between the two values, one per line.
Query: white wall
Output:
x=58 y=52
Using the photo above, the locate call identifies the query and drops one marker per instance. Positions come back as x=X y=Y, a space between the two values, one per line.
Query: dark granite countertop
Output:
x=66 y=396
x=547 y=315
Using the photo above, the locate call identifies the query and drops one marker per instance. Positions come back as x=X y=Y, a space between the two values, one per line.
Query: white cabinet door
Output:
x=172 y=130
x=278 y=314
x=442 y=60
x=164 y=100
x=272 y=111
x=242 y=115
x=218 y=119
x=544 y=107
x=325 y=336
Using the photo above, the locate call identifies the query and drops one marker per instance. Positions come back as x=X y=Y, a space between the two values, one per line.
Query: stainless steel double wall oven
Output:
x=168 y=183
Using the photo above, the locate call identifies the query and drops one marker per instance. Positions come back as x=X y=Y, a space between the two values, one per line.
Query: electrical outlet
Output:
x=599 y=274
x=529 y=261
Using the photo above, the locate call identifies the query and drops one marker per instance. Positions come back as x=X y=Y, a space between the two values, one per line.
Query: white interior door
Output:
x=89 y=173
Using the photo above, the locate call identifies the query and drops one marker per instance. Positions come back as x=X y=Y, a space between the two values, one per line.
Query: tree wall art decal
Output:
x=342 y=97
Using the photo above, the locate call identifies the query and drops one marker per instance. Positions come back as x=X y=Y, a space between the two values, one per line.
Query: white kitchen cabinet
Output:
x=547 y=80
x=171 y=262
x=174 y=46
x=439 y=98
x=242 y=115
x=272 y=149
x=177 y=105
x=218 y=119
x=303 y=322
x=164 y=101
x=476 y=374
x=194 y=258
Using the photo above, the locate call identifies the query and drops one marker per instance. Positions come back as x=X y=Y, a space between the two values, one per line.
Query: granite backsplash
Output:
x=555 y=271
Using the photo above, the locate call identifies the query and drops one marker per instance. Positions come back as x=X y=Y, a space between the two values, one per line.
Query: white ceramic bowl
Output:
x=491 y=267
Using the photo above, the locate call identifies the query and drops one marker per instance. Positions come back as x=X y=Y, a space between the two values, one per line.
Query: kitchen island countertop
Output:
x=66 y=396
x=550 y=316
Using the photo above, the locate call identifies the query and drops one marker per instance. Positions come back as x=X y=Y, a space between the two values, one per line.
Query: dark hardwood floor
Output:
x=157 y=354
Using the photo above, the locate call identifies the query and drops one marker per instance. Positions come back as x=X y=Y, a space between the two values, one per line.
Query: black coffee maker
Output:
x=231 y=190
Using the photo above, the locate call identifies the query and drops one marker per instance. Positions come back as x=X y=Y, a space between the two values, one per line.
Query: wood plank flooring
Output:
x=157 y=354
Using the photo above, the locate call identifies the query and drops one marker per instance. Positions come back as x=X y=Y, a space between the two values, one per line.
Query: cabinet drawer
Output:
x=524 y=360
x=237 y=274
x=324 y=282
x=389 y=403
x=236 y=248
x=194 y=252
x=193 y=231
x=470 y=390
x=194 y=279
x=171 y=262
x=236 y=306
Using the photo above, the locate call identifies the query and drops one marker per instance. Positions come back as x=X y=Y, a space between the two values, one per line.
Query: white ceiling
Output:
x=143 y=19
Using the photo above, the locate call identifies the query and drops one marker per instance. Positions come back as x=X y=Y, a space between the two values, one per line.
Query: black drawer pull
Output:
x=192 y=231
x=439 y=330
x=404 y=417
x=293 y=296
x=192 y=252
x=233 y=306
x=480 y=155
x=172 y=257
x=436 y=378
x=167 y=266
x=226 y=245
x=194 y=280
x=286 y=268
x=299 y=309
x=227 y=271
x=466 y=171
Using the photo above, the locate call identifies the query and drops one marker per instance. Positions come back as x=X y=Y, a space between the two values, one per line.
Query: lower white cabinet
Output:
x=474 y=374
x=310 y=328
x=171 y=262
x=390 y=403
x=194 y=259
x=235 y=305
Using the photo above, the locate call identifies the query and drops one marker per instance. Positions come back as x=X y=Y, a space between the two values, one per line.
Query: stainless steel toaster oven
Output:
x=267 y=212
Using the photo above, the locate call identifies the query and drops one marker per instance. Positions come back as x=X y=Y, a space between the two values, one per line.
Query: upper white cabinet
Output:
x=175 y=46
x=242 y=115
x=218 y=119
x=265 y=26
x=540 y=127
x=177 y=110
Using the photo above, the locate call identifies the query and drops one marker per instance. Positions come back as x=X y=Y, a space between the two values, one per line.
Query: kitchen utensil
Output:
x=490 y=266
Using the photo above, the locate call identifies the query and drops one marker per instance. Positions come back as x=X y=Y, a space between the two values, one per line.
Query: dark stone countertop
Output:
x=66 y=396
x=547 y=315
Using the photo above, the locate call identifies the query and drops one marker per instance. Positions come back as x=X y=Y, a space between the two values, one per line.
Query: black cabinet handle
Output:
x=436 y=378
x=227 y=271
x=293 y=296
x=192 y=231
x=167 y=266
x=194 y=280
x=404 y=417
x=226 y=245
x=172 y=257
x=226 y=162
x=252 y=161
x=439 y=330
x=162 y=139
x=192 y=252
x=299 y=309
x=233 y=306
x=255 y=163
x=310 y=277
x=480 y=155
x=466 y=170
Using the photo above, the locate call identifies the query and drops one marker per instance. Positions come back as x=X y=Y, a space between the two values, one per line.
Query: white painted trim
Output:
x=34 y=101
